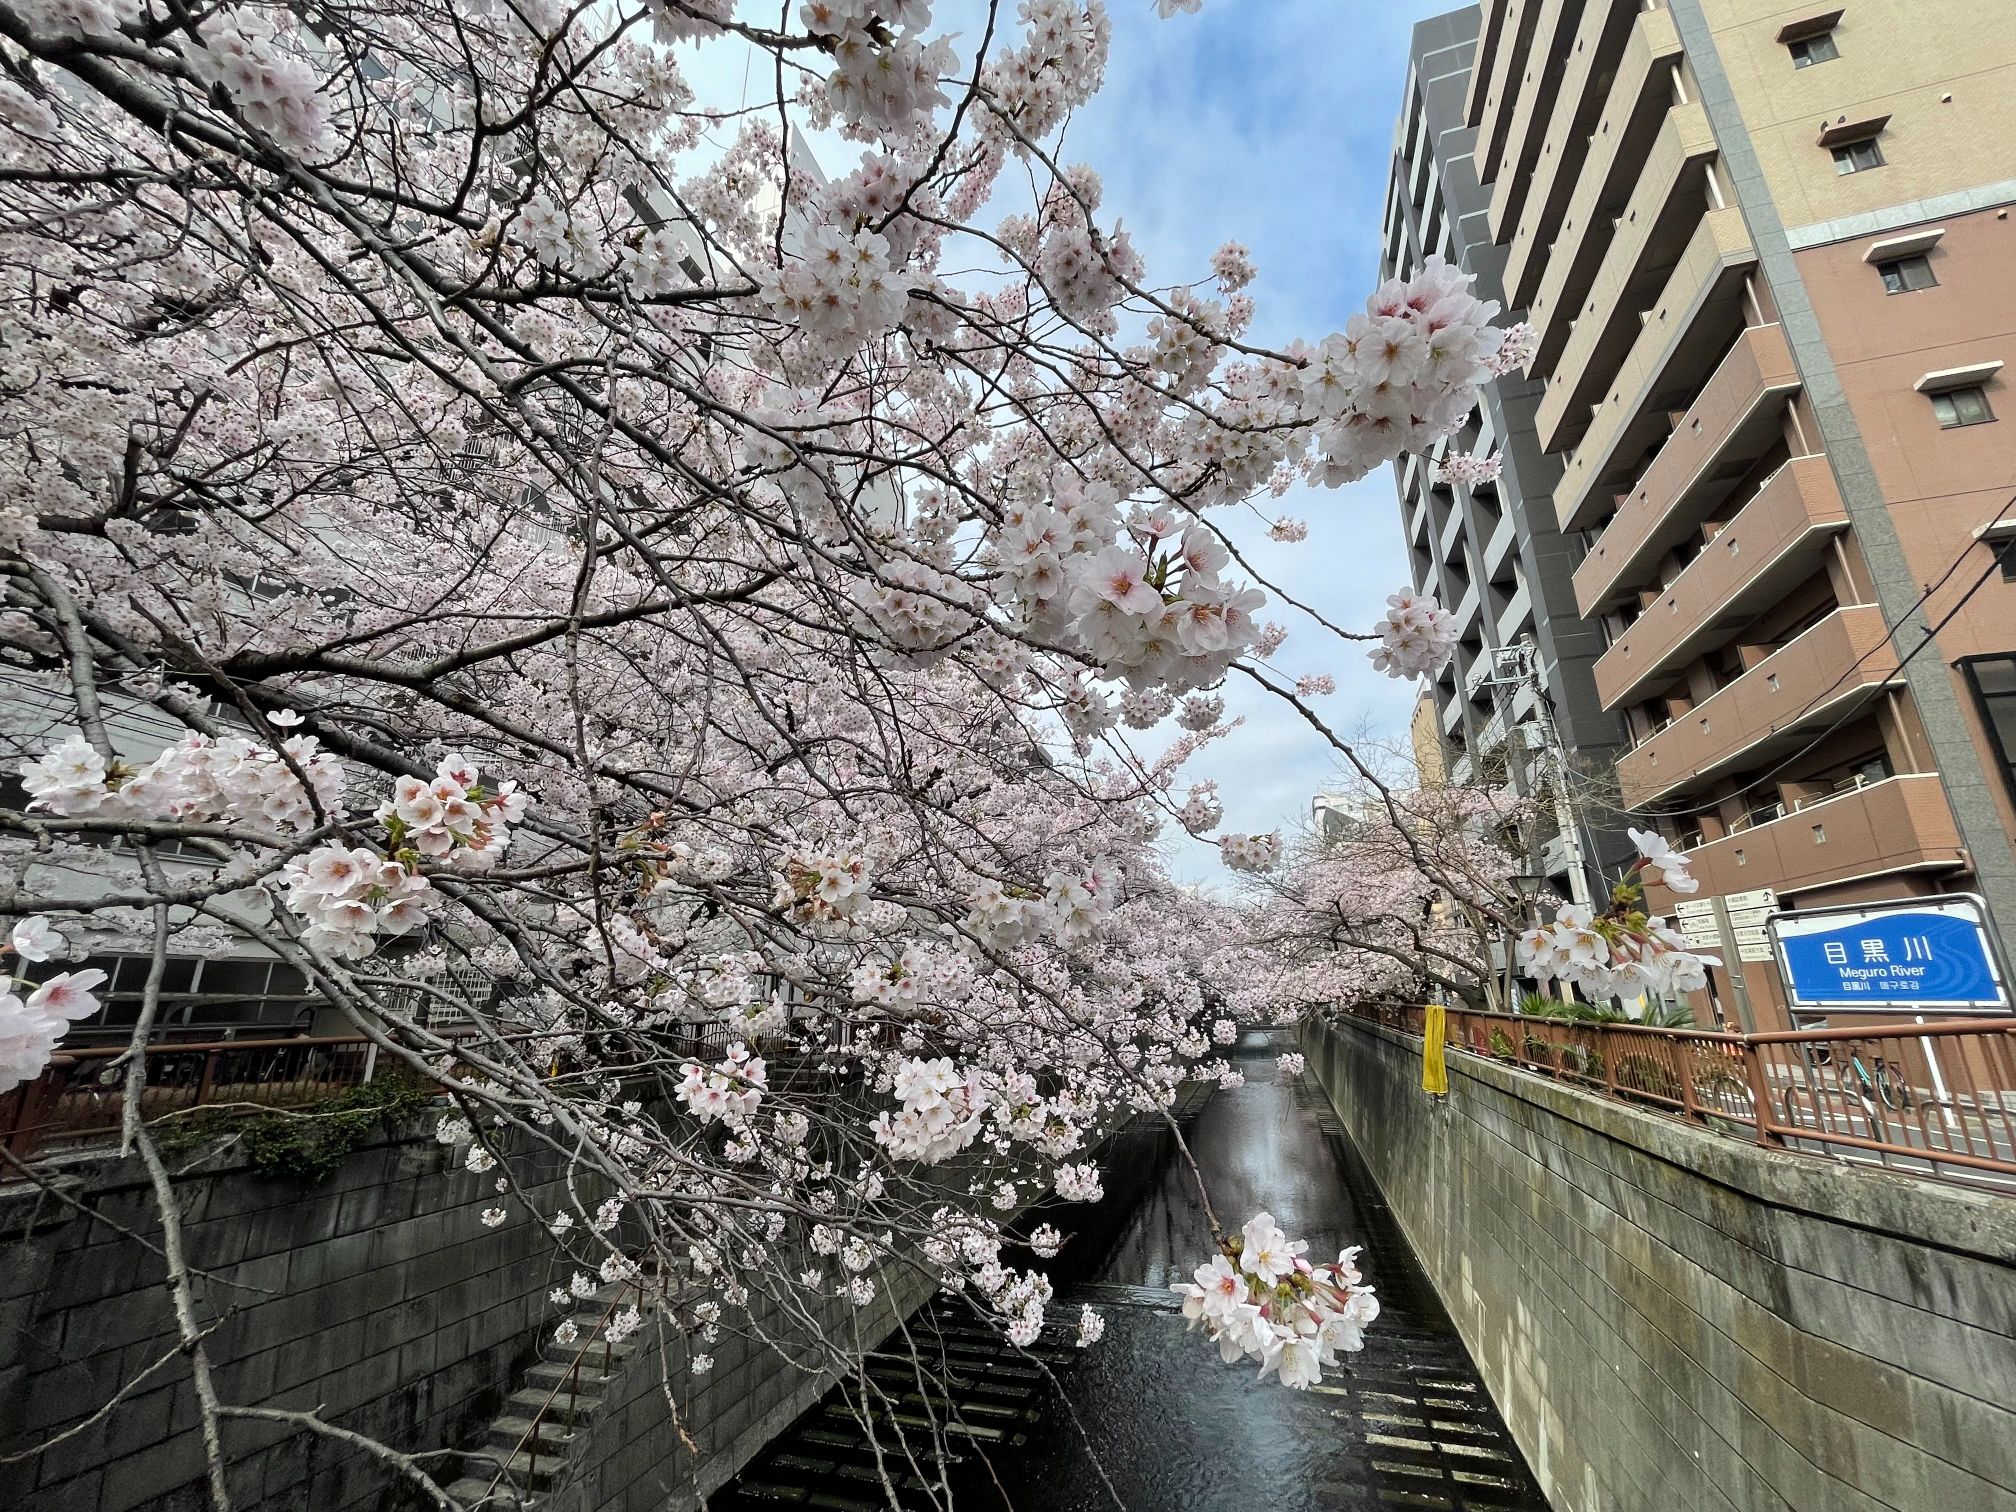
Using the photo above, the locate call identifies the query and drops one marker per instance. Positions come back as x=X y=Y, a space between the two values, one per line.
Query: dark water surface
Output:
x=1149 y=1420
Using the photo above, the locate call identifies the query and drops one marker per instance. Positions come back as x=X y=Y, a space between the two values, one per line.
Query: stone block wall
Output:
x=376 y=1297
x=1669 y=1317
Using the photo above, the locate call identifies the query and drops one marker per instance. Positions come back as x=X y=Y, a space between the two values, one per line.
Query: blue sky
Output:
x=1270 y=122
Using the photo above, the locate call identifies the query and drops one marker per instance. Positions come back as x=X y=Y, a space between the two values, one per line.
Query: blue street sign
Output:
x=1915 y=953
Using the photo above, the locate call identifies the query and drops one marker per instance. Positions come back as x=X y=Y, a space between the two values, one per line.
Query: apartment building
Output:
x=1519 y=699
x=1769 y=251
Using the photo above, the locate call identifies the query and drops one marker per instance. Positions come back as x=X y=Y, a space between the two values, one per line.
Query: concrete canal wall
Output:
x=1670 y=1318
x=377 y=1298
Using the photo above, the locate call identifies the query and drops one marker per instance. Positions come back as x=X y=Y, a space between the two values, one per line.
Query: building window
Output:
x=1810 y=50
x=1858 y=156
x=1962 y=406
x=1907 y=275
x=1993 y=679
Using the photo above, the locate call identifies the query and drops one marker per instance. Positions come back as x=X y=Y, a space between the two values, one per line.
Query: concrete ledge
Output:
x=1668 y=1317
x=1909 y=1207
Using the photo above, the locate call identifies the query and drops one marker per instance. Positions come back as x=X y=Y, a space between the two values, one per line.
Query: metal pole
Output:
x=1732 y=964
x=1557 y=778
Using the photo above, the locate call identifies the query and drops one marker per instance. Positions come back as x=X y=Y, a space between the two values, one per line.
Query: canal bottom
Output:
x=1149 y=1419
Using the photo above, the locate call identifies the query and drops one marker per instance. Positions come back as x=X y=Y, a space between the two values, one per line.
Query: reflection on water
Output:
x=1150 y=1420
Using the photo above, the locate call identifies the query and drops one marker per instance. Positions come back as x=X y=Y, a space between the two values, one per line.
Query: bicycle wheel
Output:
x=1892 y=1089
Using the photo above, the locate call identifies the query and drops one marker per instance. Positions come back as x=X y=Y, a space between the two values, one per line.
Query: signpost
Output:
x=1732 y=927
x=1911 y=953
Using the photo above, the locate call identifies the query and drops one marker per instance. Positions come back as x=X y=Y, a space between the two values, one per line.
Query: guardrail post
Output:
x=208 y=1079
x=35 y=1106
x=1760 y=1097
x=1689 y=1104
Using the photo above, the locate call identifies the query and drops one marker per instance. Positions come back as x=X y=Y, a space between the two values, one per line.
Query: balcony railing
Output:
x=1652 y=232
x=1568 y=252
x=81 y=1099
x=1935 y=1100
x=1885 y=828
x=1684 y=336
x=1736 y=420
x=1772 y=544
x=1576 y=130
x=1769 y=709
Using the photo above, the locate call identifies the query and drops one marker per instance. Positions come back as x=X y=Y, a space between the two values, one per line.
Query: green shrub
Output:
x=1501 y=1044
x=1642 y=1073
x=1582 y=1061
x=308 y=1143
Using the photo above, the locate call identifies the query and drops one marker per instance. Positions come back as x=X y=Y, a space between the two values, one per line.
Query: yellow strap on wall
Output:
x=1434 y=1065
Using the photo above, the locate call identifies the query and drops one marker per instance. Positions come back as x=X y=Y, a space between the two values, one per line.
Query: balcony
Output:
x=1568 y=137
x=1770 y=710
x=1771 y=546
x=1449 y=539
x=1681 y=342
x=1490 y=37
x=1517 y=616
x=1503 y=538
x=1651 y=234
x=1735 y=421
x=1414 y=512
x=1468 y=610
x=1493 y=115
x=1901 y=824
x=1547 y=61
x=1571 y=253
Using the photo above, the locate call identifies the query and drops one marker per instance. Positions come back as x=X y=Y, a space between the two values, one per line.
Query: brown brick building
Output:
x=1770 y=253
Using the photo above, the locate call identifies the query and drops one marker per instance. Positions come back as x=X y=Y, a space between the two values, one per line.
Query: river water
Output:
x=1149 y=1420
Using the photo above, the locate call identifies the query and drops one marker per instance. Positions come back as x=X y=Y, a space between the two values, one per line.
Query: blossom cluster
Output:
x=1461 y=471
x=731 y=1090
x=940 y=1115
x=840 y=293
x=1623 y=952
x=1144 y=598
x=823 y=887
x=30 y=1026
x=1251 y=853
x=455 y=819
x=1290 y=1064
x=1261 y=1300
x=349 y=897
x=270 y=86
x=228 y=779
x=1416 y=638
x=1402 y=374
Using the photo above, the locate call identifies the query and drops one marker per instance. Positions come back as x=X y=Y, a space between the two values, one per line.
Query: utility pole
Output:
x=1524 y=658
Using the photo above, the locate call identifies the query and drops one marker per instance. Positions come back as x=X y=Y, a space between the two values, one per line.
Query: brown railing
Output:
x=1934 y=1099
x=81 y=1098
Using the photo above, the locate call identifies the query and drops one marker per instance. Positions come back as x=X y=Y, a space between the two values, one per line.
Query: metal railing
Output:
x=1932 y=1099
x=81 y=1097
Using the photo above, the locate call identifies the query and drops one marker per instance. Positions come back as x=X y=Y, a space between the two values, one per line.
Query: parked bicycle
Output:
x=1872 y=1079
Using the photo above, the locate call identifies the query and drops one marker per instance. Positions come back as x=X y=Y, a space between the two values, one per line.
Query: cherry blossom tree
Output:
x=563 y=534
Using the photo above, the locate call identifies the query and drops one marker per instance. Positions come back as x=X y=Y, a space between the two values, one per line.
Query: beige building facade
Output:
x=1770 y=254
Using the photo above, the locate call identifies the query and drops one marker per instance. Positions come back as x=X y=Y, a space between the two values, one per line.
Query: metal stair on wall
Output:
x=526 y=1453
